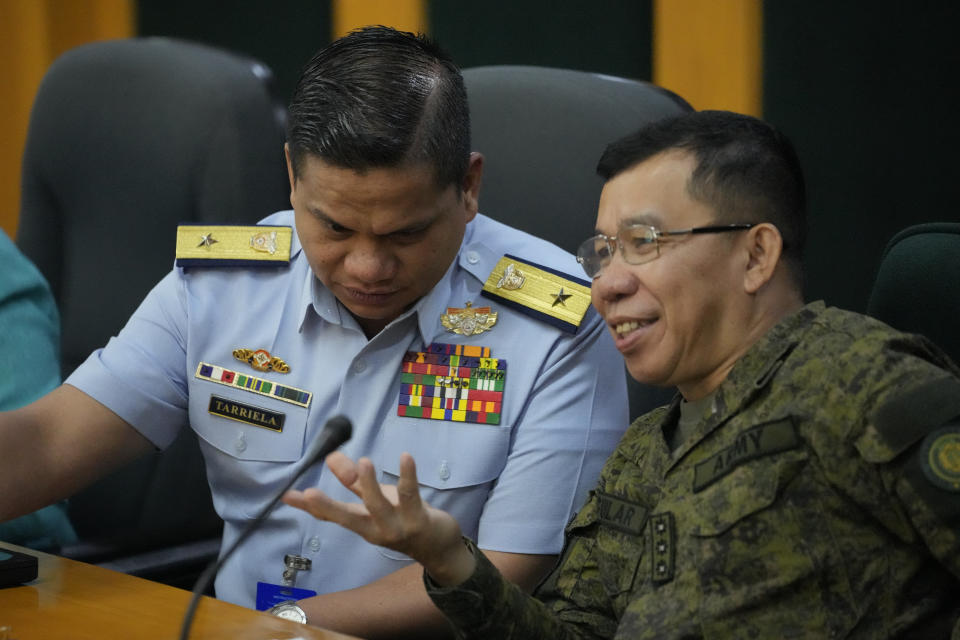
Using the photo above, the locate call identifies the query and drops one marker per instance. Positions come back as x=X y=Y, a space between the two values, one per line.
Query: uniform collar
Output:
x=752 y=373
x=473 y=257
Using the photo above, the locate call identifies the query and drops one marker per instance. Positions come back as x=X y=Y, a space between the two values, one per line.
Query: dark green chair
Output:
x=917 y=288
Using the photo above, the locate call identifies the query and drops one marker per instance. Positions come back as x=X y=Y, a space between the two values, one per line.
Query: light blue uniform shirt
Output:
x=511 y=486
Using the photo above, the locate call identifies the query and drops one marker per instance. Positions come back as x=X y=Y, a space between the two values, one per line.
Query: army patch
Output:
x=233 y=246
x=213 y=373
x=940 y=458
x=543 y=293
x=459 y=383
x=620 y=514
x=762 y=440
x=257 y=416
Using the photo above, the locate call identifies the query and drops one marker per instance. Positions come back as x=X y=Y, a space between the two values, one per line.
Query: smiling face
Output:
x=680 y=319
x=381 y=239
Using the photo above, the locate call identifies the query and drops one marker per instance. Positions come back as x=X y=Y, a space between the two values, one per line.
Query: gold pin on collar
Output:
x=468 y=321
x=261 y=360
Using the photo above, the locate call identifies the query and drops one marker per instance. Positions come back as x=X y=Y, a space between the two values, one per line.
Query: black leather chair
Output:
x=917 y=288
x=542 y=131
x=127 y=139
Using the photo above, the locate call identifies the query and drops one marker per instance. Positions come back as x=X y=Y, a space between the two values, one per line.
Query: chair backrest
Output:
x=917 y=288
x=128 y=138
x=542 y=131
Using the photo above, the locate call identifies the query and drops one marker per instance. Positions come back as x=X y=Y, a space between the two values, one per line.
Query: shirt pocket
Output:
x=449 y=455
x=247 y=426
x=457 y=463
x=746 y=528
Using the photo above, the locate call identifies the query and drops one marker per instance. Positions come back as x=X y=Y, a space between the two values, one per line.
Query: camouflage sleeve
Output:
x=914 y=438
x=488 y=606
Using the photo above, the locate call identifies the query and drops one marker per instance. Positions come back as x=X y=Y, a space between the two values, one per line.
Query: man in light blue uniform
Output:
x=388 y=279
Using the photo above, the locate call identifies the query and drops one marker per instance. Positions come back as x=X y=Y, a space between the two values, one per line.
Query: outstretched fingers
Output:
x=390 y=516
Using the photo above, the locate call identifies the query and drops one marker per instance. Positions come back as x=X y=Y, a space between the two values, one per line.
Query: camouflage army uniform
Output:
x=818 y=498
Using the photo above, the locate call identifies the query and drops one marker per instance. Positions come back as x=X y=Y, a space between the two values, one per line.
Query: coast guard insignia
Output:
x=468 y=321
x=512 y=278
x=265 y=241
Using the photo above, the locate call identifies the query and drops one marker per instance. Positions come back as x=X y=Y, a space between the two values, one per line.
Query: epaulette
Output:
x=233 y=246
x=538 y=291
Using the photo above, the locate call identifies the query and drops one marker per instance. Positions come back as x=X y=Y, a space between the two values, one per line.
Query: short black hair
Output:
x=379 y=98
x=747 y=171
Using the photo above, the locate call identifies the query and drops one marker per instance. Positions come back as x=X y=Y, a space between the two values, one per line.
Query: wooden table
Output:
x=77 y=601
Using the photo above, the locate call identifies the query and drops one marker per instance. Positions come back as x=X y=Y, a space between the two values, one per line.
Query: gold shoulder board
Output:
x=232 y=246
x=544 y=293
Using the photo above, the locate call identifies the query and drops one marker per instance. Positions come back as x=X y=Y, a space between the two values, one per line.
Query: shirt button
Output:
x=314 y=543
x=359 y=366
x=444 y=471
x=472 y=257
x=240 y=444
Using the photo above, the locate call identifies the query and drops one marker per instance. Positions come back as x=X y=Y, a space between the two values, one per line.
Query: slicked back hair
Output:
x=381 y=98
x=746 y=171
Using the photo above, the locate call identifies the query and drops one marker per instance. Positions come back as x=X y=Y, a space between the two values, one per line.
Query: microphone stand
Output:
x=335 y=432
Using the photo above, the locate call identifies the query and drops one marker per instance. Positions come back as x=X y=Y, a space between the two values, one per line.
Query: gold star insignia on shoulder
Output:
x=207 y=240
x=540 y=292
x=560 y=298
x=233 y=246
x=468 y=321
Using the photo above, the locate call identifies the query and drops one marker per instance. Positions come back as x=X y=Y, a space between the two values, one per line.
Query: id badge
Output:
x=269 y=595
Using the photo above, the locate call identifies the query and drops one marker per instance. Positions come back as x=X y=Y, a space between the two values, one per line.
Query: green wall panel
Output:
x=613 y=36
x=864 y=91
x=283 y=34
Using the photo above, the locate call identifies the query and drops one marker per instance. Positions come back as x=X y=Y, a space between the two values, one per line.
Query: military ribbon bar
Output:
x=267 y=388
x=458 y=383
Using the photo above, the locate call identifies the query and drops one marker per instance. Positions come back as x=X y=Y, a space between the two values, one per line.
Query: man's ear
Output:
x=471 y=185
x=764 y=246
x=290 y=176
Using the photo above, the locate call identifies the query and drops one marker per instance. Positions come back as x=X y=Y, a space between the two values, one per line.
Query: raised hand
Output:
x=392 y=516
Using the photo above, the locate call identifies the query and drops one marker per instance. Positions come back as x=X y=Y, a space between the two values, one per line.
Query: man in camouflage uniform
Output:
x=804 y=483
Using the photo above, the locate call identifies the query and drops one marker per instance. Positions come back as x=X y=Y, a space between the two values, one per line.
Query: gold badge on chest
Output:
x=469 y=320
x=261 y=360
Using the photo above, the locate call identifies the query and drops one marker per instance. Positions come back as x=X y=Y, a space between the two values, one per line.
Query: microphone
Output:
x=335 y=432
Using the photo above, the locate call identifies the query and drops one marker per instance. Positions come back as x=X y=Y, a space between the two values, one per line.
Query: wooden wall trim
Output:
x=710 y=52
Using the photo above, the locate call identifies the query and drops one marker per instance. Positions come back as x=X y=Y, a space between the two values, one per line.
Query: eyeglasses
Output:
x=638 y=243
